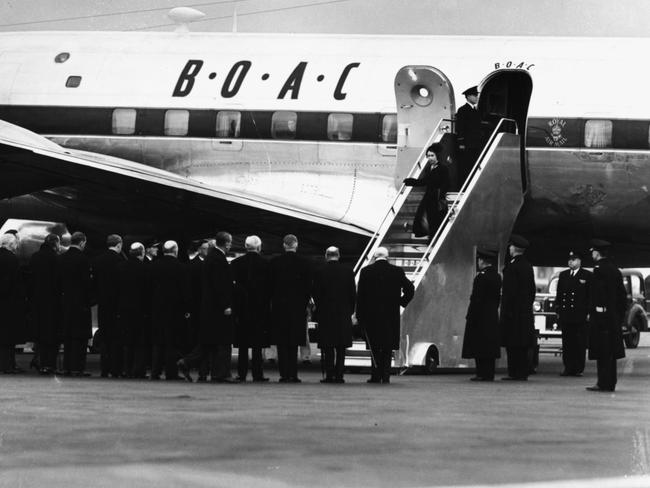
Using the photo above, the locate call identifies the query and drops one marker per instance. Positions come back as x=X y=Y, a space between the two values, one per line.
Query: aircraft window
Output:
x=283 y=125
x=598 y=133
x=73 y=81
x=228 y=124
x=124 y=121
x=339 y=127
x=176 y=122
x=61 y=57
x=389 y=128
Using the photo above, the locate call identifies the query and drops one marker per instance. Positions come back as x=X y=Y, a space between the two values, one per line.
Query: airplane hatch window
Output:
x=176 y=122
x=61 y=57
x=73 y=81
x=283 y=125
x=339 y=127
x=228 y=124
x=124 y=121
x=598 y=133
x=389 y=129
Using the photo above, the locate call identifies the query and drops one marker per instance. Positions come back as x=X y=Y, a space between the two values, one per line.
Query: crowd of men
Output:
x=166 y=316
x=159 y=315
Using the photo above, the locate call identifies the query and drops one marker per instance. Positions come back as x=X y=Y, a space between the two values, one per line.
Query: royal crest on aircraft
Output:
x=555 y=137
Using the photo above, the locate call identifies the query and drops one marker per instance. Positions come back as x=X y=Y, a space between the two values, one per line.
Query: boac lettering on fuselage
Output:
x=238 y=72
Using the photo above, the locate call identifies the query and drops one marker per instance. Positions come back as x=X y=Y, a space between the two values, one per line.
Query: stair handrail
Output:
x=424 y=260
x=401 y=194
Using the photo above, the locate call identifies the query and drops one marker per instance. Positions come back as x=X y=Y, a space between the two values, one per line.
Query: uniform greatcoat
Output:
x=482 y=339
x=74 y=267
x=252 y=274
x=518 y=294
x=216 y=328
x=170 y=301
x=46 y=295
x=334 y=294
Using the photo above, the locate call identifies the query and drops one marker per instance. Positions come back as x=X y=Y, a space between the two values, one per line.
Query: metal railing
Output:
x=401 y=196
x=424 y=262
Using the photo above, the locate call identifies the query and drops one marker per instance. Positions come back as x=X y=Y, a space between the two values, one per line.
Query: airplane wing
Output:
x=120 y=189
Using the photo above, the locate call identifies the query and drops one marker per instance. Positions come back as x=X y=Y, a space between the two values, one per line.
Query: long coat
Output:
x=45 y=300
x=106 y=277
x=383 y=288
x=170 y=301
x=134 y=302
x=74 y=267
x=469 y=135
x=290 y=293
x=572 y=297
x=252 y=274
x=607 y=305
x=216 y=328
x=196 y=286
x=334 y=295
x=517 y=318
x=433 y=205
x=482 y=339
x=13 y=300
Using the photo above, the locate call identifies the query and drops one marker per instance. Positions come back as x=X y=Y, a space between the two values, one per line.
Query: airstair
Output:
x=442 y=269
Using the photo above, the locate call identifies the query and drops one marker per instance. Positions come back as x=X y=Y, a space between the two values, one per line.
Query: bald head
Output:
x=137 y=250
x=170 y=248
x=332 y=253
x=253 y=244
x=381 y=253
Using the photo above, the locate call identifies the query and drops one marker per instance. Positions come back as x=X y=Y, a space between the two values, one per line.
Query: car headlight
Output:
x=537 y=307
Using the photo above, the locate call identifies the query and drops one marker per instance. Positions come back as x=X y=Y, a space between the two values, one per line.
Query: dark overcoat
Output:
x=482 y=338
x=45 y=301
x=334 y=293
x=106 y=278
x=383 y=288
x=217 y=296
x=170 y=301
x=433 y=206
x=572 y=297
x=74 y=268
x=134 y=302
x=13 y=300
x=290 y=292
x=607 y=305
x=196 y=285
x=518 y=294
x=468 y=128
x=252 y=274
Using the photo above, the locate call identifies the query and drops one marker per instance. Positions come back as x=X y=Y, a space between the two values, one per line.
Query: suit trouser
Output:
x=74 y=355
x=606 y=368
x=136 y=360
x=485 y=368
x=215 y=359
x=47 y=354
x=333 y=361
x=256 y=366
x=164 y=356
x=518 y=364
x=573 y=348
x=288 y=361
x=112 y=357
x=380 y=363
x=7 y=357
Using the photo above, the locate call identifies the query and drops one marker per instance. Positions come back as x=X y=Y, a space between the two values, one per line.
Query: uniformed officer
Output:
x=517 y=319
x=383 y=288
x=468 y=130
x=481 y=340
x=571 y=304
x=607 y=304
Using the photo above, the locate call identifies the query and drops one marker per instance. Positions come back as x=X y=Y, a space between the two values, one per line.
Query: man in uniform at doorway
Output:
x=571 y=302
x=468 y=132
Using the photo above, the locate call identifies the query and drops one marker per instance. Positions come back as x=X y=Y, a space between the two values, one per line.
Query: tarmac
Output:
x=439 y=430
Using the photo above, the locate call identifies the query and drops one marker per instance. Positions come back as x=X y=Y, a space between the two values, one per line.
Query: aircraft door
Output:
x=506 y=94
x=424 y=96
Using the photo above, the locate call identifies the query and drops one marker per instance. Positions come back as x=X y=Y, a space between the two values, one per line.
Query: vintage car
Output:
x=635 y=322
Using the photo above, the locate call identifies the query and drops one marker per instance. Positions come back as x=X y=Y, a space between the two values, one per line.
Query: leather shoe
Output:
x=295 y=380
x=478 y=378
x=598 y=388
x=510 y=378
x=338 y=381
x=262 y=379
x=222 y=380
x=564 y=373
x=373 y=380
x=327 y=380
x=239 y=379
x=184 y=370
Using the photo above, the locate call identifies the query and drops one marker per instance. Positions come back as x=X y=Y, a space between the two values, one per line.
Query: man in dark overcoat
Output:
x=572 y=307
x=170 y=309
x=607 y=305
x=13 y=303
x=133 y=308
x=290 y=293
x=106 y=277
x=517 y=318
x=482 y=339
x=216 y=332
x=433 y=207
x=383 y=289
x=251 y=274
x=468 y=132
x=74 y=268
x=46 y=302
x=334 y=293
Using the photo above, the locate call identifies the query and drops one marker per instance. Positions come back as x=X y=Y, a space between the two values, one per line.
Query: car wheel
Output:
x=431 y=360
